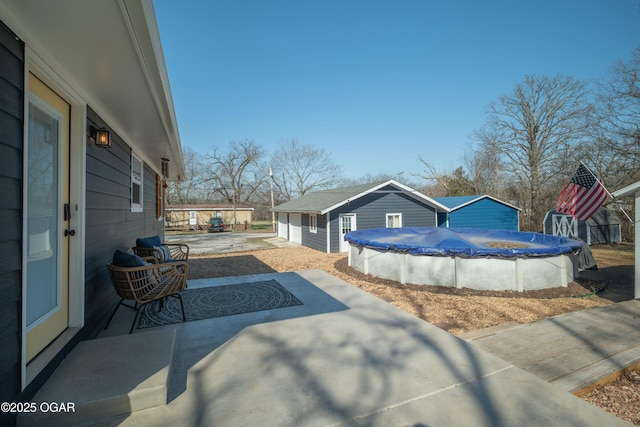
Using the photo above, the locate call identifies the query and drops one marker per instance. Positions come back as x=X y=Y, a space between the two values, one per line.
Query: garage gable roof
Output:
x=325 y=201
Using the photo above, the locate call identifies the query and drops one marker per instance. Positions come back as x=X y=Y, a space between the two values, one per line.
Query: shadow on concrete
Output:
x=200 y=339
x=203 y=268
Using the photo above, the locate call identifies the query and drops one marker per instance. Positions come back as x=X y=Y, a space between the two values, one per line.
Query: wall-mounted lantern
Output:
x=101 y=137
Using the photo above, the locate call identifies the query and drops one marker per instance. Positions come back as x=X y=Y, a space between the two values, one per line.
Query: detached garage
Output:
x=320 y=220
x=478 y=212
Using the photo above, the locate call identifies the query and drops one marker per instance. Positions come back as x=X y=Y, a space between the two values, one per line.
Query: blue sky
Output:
x=375 y=83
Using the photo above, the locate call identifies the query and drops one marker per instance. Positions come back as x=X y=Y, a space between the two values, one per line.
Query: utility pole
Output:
x=273 y=214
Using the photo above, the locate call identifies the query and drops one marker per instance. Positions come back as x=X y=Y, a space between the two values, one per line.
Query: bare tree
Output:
x=485 y=171
x=444 y=184
x=533 y=130
x=301 y=168
x=236 y=173
x=619 y=125
x=191 y=188
x=369 y=178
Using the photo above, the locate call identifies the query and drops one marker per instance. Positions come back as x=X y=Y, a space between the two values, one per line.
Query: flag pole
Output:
x=610 y=195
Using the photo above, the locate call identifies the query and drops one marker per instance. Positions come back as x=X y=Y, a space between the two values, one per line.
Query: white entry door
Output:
x=347 y=224
x=48 y=213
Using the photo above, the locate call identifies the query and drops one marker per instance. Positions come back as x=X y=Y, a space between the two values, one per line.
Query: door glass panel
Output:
x=346 y=224
x=43 y=210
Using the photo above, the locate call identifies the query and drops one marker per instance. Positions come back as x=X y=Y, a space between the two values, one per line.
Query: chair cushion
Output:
x=126 y=259
x=148 y=242
x=165 y=251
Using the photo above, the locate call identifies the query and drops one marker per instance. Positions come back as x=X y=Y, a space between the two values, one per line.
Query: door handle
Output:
x=69 y=233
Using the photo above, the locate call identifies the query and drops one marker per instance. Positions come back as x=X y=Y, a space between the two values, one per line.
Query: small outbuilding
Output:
x=195 y=217
x=603 y=226
x=320 y=220
x=478 y=212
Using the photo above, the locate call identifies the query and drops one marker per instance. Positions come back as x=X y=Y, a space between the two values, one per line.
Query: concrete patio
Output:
x=344 y=357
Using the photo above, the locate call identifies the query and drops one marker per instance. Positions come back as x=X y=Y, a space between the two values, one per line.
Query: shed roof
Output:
x=604 y=216
x=457 y=202
x=325 y=201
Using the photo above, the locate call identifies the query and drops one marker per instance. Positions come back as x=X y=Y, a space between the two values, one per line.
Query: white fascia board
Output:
x=486 y=196
x=408 y=190
x=141 y=22
x=629 y=190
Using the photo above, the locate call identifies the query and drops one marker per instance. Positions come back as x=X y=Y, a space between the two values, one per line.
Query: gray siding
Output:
x=11 y=152
x=110 y=224
x=315 y=240
x=371 y=212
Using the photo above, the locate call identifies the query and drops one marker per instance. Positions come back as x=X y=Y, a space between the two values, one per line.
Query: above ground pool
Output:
x=465 y=257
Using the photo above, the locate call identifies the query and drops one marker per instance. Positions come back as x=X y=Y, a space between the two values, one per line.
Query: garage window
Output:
x=313 y=224
x=394 y=220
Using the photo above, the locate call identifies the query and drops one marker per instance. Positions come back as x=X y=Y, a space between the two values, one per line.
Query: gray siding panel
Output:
x=371 y=212
x=317 y=240
x=11 y=152
x=110 y=224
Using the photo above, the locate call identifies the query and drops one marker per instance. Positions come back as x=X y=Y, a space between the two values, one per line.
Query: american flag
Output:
x=583 y=196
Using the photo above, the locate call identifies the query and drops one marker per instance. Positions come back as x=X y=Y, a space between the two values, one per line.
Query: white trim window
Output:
x=137 y=178
x=313 y=223
x=394 y=220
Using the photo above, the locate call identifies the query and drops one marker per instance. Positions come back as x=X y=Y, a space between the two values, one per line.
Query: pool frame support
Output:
x=513 y=274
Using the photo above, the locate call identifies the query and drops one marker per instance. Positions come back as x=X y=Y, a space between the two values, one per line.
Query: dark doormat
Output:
x=218 y=301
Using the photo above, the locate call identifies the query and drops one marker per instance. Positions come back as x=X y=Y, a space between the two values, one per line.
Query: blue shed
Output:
x=478 y=212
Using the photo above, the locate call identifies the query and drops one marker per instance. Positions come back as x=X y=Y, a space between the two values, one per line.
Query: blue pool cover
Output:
x=462 y=242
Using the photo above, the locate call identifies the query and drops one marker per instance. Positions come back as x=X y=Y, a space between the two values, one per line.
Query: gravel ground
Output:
x=459 y=311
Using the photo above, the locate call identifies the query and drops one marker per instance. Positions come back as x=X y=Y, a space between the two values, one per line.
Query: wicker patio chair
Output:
x=148 y=283
x=163 y=252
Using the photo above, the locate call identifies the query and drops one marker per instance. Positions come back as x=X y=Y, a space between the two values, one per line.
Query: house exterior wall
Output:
x=316 y=240
x=371 y=211
x=485 y=213
x=110 y=224
x=11 y=154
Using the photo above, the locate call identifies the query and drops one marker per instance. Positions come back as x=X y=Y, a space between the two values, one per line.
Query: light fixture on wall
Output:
x=165 y=167
x=101 y=137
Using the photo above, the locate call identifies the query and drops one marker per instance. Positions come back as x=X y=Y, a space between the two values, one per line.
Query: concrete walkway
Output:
x=343 y=358
x=574 y=350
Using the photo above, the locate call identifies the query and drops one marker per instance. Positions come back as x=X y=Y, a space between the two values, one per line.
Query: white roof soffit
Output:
x=110 y=53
